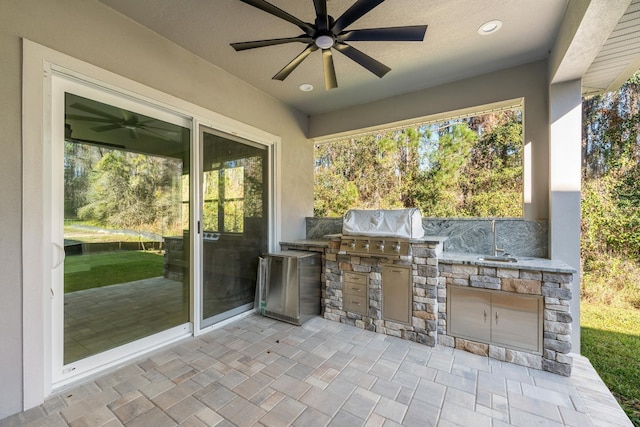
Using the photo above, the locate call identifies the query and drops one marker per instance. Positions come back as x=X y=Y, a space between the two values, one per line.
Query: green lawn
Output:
x=84 y=235
x=104 y=269
x=611 y=341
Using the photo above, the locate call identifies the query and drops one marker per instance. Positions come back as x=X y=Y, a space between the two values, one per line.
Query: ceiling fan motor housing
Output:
x=328 y=33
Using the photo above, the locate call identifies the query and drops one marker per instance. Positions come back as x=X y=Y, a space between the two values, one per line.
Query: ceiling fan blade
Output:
x=87 y=119
x=105 y=128
x=157 y=134
x=330 y=79
x=147 y=127
x=322 y=18
x=355 y=12
x=95 y=111
x=284 y=73
x=377 y=68
x=275 y=11
x=272 y=42
x=413 y=33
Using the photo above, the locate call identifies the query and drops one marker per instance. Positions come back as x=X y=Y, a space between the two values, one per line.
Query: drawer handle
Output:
x=355 y=289
x=496 y=317
x=356 y=303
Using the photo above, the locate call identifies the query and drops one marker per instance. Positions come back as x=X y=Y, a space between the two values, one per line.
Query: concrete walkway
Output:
x=258 y=371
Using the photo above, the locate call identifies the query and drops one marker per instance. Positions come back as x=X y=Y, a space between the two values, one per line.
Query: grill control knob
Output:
x=365 y=246
x=380 y=246
x=396 y=247
x=352 y=245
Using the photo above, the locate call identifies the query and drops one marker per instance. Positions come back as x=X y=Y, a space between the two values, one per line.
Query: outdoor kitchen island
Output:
x=521 y=308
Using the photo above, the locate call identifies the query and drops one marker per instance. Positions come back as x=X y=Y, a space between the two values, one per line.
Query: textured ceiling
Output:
x=451 y=50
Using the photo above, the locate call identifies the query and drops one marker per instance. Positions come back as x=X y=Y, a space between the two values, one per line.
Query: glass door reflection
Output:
x=126 y=202
x=234 y=223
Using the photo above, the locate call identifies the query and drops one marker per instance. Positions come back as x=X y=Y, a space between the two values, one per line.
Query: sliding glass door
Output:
x=121 y=221
x=234 y=222
x=131 y=219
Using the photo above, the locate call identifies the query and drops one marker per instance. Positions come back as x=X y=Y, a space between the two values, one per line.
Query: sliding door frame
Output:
x=215 y=321
x=62 y=373
x=39 y=65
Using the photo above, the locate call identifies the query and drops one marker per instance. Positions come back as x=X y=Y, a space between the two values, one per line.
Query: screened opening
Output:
x=463 y=167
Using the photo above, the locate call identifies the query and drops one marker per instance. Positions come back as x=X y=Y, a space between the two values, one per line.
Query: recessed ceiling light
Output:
x=306 y=87
x=489 y=27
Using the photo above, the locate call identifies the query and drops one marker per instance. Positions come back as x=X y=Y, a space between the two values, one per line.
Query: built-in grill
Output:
x=380 y=232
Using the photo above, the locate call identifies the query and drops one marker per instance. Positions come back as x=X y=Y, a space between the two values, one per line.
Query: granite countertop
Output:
x=523 y=263
x=430 y=239
x=307 y=242
x=423 y=239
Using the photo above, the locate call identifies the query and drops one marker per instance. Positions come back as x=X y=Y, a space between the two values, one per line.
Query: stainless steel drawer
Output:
x=355 y=289
x=356 y=304
x=355 y=278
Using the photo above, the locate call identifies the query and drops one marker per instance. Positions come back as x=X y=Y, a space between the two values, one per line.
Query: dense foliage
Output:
x=460 y=168
x=611 y=196
x=113 y=188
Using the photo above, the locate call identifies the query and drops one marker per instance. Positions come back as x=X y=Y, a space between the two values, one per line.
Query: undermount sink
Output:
x=498 y=258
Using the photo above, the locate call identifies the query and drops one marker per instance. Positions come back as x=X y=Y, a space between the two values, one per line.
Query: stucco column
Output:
x=565 y=109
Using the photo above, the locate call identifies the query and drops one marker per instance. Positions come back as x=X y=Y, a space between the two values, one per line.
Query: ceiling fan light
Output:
x=306 y=87
x=489 y=27
x=324 y=42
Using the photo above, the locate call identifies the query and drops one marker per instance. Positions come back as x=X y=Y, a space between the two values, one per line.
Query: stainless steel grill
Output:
x=377 y=246
x=380 y=232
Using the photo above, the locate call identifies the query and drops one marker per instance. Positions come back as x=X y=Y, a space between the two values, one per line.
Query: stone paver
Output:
x=262 y=372
x=100 y=319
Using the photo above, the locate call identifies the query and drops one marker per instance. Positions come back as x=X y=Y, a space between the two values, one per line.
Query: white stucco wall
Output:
x=89 y=31
x=565 y=174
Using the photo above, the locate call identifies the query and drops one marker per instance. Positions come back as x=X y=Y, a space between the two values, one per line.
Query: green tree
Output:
x=440 y=191
x=465 y=167
x=494 y=184
x=610 y=244
x=364 y=172
x=611 y=173
x=133 y=191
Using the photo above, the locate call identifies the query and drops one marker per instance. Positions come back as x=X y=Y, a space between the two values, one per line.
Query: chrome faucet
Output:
x=496 y=249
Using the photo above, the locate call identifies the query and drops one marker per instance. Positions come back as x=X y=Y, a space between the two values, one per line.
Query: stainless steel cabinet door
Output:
x=469 y=313
x=516 y=321
x=396 y=293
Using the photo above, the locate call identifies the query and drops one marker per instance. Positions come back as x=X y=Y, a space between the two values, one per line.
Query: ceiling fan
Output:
x=327 y=33
x=128 y=121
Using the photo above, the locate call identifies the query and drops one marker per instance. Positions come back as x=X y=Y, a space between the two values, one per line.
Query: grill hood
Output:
x=399 y=223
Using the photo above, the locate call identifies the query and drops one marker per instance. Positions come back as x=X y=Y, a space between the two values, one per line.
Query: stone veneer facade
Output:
x=424 y=319
x=430 y=278
x=555 y=288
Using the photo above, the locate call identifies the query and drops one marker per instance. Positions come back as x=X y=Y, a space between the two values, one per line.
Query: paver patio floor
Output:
x=259 y=371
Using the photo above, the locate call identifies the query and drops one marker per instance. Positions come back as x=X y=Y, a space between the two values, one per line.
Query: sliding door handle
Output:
x=61 y=255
